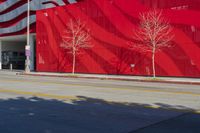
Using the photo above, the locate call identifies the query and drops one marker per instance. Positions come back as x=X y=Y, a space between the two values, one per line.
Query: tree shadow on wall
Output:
x=86 y=115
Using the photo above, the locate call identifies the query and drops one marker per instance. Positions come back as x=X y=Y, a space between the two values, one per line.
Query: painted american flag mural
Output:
x=13 y=14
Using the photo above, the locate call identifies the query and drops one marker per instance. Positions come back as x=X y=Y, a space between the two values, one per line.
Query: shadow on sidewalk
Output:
x=86 y=115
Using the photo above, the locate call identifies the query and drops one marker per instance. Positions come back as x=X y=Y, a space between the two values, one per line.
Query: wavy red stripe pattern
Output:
x=111 y=23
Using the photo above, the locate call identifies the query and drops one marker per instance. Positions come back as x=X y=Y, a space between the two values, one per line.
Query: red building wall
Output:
x=111 y=23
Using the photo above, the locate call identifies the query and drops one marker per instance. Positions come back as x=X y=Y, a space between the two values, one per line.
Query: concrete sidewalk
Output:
x=175 y=80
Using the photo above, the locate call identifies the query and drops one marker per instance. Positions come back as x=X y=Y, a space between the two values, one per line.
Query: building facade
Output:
x=13 y=29
x=111 y=24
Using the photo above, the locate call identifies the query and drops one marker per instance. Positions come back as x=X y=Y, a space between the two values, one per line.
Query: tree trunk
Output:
x=153 y=63
x=74 y=62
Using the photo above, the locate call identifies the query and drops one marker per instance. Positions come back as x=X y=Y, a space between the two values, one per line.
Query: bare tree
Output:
x=153 y=34
x=76 y=37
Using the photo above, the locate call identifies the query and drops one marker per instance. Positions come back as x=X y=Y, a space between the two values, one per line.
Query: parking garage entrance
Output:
x=12 y=51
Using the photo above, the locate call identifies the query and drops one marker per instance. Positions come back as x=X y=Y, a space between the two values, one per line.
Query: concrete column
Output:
x=0 y=55
x=32 y=53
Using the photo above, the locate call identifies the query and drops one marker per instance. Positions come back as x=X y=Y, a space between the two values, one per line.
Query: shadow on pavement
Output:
x=88 y=115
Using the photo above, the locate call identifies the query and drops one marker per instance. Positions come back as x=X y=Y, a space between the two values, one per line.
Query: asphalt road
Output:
x=64 y=105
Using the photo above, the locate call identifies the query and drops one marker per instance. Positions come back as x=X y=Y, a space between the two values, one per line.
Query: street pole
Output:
x=27 y=48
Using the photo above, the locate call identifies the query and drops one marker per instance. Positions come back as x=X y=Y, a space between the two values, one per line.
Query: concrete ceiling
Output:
x=18 y=38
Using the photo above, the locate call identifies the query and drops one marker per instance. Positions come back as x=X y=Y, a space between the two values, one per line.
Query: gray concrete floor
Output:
x=61 y=105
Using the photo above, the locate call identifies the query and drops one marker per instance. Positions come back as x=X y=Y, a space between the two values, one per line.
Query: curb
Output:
x=121 y=79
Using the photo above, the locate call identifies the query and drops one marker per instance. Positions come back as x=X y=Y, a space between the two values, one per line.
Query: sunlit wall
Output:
x=111 y=23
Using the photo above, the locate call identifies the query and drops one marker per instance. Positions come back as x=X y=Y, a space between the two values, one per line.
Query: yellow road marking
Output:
x=198 y=111
x=39 y=94
x=174 y=92
x=61 y=97
x=113 y=88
